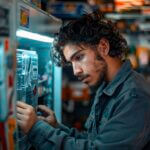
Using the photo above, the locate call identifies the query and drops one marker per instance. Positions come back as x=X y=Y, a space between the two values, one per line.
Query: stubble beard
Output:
x=102 y=75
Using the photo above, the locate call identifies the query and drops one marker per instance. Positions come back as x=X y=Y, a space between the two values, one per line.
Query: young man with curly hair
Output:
x=120 y=113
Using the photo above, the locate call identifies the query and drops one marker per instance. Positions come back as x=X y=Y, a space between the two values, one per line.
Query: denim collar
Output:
x=121 y=76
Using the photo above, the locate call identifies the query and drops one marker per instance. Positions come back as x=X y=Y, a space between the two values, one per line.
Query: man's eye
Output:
x=79 y=57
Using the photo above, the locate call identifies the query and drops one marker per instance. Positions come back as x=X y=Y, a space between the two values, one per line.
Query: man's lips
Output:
x=85 y=80
x=83 y=77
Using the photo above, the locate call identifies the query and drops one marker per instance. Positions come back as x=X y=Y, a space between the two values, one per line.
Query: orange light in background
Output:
x=146 y=10
x=70 y=7
x=124 y=4
x=142 y=54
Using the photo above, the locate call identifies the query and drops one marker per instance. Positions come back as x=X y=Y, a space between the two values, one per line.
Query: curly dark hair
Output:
x=88 y=30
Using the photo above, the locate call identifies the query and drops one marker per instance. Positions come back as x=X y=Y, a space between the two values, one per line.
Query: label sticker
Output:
x=24 y=17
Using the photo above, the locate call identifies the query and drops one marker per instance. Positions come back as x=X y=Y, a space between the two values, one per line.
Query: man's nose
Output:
x=77 y=69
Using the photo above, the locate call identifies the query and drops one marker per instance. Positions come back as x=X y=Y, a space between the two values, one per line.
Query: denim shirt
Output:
x=119 y=119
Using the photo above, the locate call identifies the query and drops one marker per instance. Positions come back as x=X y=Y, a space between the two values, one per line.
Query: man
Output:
x=120 y=114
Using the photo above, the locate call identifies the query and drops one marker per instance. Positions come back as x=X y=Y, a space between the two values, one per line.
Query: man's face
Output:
x=87 y=64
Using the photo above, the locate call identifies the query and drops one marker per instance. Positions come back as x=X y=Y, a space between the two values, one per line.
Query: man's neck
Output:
x=114 y=65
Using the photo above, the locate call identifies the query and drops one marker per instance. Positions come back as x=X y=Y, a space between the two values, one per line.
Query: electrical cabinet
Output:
x=36 y=75
x=27 y=72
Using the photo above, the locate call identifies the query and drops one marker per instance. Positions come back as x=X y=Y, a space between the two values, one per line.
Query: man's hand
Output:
x=47 y=115
x=26 y=116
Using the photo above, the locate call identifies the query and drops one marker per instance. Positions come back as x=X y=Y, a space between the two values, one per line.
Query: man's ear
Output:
x=103 y=47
